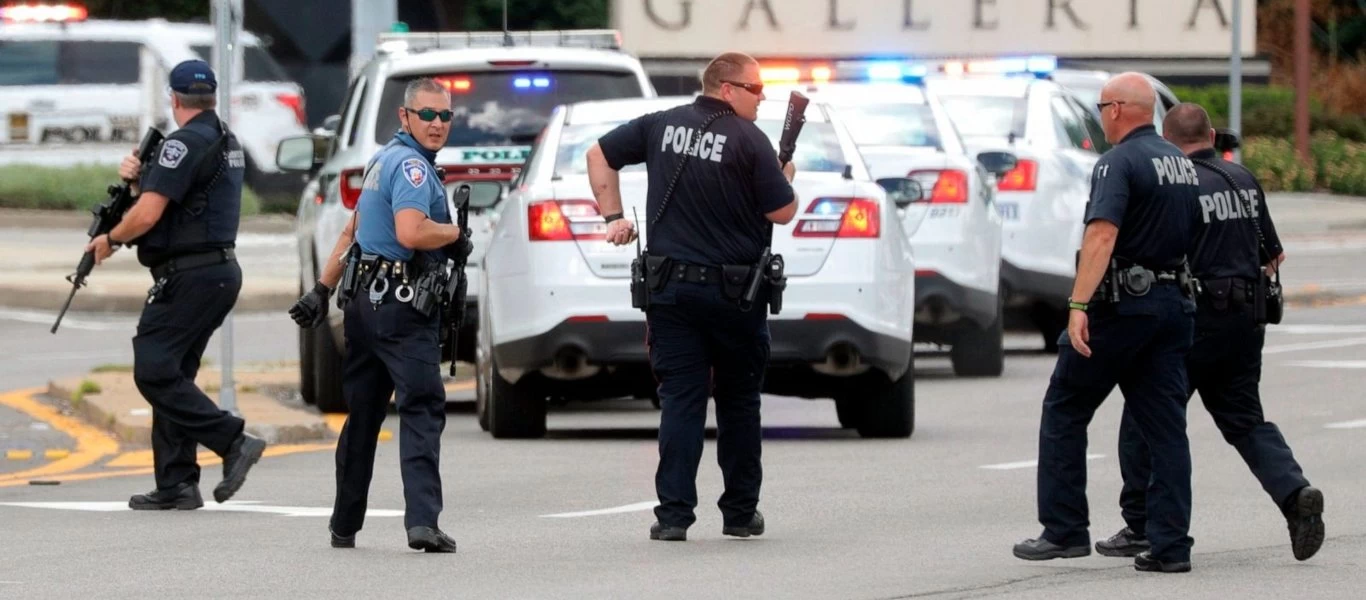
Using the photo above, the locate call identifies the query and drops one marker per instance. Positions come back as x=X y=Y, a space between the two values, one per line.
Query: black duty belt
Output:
x=197 y=260
x=694 y=273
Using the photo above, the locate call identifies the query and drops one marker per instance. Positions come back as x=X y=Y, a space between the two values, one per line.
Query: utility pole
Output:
x=1302 y=80
x=1235 y=79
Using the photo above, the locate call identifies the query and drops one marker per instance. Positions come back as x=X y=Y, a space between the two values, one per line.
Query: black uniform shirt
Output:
x=1146 y=187
x=183 y=164
x=1227 y=244
x=716 y=214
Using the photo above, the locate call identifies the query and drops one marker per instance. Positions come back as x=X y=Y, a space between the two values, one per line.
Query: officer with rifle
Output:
x=391 y=271
x=699 y=283
x=184 y=224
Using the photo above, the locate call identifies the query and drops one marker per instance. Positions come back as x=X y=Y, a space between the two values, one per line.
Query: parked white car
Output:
x=556 y=317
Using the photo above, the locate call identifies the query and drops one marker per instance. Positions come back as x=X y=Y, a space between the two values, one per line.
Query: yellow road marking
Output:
x=55 y=454
x=132 y=463
x=18 y=454
x=91 y=444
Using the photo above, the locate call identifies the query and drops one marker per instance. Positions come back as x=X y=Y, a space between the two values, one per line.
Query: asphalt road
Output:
x=848 y=518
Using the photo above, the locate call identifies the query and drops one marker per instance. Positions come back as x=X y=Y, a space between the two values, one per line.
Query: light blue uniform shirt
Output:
x=401 y=175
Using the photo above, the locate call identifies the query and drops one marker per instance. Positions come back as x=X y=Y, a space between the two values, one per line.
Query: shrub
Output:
x=1338 y=165
x=77 y=187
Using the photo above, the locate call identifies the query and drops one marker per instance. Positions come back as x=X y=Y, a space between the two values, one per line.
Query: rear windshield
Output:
x=258 y=65
x=76 y=62
x=891 y=124
x=985 y=115
x=506 y=108
x=818 y=148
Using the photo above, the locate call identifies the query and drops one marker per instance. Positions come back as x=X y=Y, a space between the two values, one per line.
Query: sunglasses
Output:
x=428 y=114
x=753 y=88
x=1101 y=106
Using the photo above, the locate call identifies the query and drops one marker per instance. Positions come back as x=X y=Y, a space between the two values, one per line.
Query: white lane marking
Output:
x=105 y=323
x=232 y=506
x=1315 y=345
x=1357 y=424
x=1328 y=364
x=1316 y=329
x=1027 y=464
x=637 y=507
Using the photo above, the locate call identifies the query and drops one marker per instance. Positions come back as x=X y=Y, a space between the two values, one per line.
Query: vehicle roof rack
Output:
x=392 y=42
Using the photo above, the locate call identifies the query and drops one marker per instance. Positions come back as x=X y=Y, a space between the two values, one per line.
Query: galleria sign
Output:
x=849 y=28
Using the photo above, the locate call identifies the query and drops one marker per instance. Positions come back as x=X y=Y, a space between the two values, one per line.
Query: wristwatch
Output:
x=611 y=217
x=112 y=243
x=1071 y=305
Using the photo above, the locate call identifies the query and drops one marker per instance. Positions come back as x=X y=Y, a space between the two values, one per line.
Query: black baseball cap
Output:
x=193 y=77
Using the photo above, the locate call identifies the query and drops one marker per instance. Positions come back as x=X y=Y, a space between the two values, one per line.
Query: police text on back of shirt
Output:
x=1175 y=169
x=1223 y=206
x=680 y=141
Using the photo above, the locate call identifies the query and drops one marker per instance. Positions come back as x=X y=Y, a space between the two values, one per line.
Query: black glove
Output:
x=458 y=250
x=311 y=310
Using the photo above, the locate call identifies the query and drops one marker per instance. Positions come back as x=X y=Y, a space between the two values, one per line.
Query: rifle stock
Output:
x=106 y=217
x=792 y=126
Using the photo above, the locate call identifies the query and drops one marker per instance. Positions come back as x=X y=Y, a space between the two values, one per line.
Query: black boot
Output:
x=1145 y=562
x=1305 y=519
x=754 y=527
x=668 y=533
x=342 y=541
x=1041 y=549
x=182 y=497
x=244 y=453
x=430 y=539
x=1124 y=543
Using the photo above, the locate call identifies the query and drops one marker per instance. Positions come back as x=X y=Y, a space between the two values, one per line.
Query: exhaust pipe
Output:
x=841 y=360
x=570 y=363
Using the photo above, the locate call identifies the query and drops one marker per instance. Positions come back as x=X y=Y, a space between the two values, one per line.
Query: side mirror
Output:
x=483 y=194
x=997 y=163
x=301 y=154
x=902 y=191
x=332 y=123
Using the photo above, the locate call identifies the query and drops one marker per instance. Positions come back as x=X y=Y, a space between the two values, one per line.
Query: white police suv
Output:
x=77 y=90
x=902 y=131
x=502 y=96
x=555 y=313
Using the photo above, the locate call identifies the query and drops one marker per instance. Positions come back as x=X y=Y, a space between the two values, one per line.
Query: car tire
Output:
x=888 y=409
x=980 y=352
x=482 y=392
x=516 y=410
x=849 y=409
x=327 y=372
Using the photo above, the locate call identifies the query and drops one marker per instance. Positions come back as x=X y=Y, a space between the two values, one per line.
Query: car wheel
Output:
x=481 y=392
x=888 y=409
x=307 y=389
x=327 y=372
x=980 y=352
x=847 y=408
x=516 y=410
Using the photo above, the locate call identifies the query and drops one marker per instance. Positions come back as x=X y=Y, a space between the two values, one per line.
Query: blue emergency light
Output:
x=896 y=71
x=523 y=83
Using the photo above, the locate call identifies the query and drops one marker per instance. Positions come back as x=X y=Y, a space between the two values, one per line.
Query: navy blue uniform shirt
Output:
x=716 y=214
x=1227 y=244
x=1146 y=187
x=184 y=165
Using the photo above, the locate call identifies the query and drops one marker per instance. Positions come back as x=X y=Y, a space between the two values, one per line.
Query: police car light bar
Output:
x=390 y=42
x=1039 y=66
x=42 y=13
x=881 y=70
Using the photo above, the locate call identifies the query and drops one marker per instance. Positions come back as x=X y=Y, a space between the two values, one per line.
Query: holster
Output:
x=1219 y=293
x=734 y=280
x=351 y=276
x=429 y=291
x=777 y=282
x=1268 y=302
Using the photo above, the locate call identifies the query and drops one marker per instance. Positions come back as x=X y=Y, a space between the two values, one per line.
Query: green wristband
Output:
x=1081 y=306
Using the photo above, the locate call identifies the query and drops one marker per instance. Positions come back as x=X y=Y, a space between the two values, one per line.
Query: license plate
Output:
x=1010 y=211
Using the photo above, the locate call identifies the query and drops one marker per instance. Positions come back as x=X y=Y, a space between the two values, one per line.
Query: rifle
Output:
x=455 y=302
x=106 y=217
x=792 y=126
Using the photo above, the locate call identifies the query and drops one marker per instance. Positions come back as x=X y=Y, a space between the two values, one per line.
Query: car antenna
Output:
x=1010 y=138
x=507 y=37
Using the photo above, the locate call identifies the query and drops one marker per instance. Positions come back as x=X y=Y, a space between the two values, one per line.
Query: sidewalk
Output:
x=42 y=247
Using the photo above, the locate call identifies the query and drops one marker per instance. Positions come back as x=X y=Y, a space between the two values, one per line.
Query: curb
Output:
x=51 y=299
x=142 y=435
x=22 y=218
x=1321 y=297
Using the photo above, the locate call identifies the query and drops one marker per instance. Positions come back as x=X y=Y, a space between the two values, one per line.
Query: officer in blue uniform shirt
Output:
x=184 y=225
x=701 y=341
x=1130 y=324
x=403 y=229
x=1237 y=240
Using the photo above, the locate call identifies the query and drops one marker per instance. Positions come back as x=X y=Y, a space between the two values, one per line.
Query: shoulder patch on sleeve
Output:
x=172 y=152
x=414 y=171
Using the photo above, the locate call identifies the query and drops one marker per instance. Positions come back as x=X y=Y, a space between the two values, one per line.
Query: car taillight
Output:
x=840 y=218
x=564 y=220
x=1023 y=178
x=949 y=186
x=351 y=181
x=296 y=103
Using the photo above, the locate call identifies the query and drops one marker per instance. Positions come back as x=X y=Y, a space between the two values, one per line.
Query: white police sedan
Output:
x=556 y=318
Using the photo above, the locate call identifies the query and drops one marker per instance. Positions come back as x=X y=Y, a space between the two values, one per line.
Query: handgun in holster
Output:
x=1190 y=286
x=351 y=276
x=777 y=282
x=430 y=291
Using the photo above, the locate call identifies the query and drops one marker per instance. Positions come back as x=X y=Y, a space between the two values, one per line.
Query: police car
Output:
x=1011 y=105
x=73 y=89
x=502 y=97
x=1085 y=85
x=902 y=131
x=556 y=320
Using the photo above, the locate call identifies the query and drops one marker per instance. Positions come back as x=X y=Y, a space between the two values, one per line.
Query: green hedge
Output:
x=1338 y=164
x=70 y=188
x=1269 y=111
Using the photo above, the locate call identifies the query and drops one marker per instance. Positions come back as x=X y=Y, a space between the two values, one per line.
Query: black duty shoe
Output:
x=342 y=541
x=1145 y=562
x=1305 y=520
x=182 y=497
x=241 y=456
x=668 y=533
x=754 y=527
x=1041 y=549
x=430 y=539
x=1124 y=543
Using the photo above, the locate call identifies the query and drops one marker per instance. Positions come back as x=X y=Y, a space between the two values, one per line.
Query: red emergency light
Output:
x=42 y=13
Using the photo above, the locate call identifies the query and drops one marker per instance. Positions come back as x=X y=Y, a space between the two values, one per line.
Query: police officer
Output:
x=184 y=224
x=1225 y=364
x=403 y=229
x=729 y=192
x=1130 y=324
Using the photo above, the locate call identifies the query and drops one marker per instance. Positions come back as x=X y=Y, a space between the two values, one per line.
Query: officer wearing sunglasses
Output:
x=715 y=190
x=404 y=233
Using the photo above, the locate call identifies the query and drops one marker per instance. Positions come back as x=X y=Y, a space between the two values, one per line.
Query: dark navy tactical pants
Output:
x=703 y=345
x=1141 y=346
x=1225 y=366
x=172 y=334
x=390 y=351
